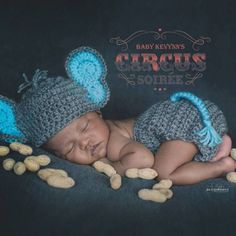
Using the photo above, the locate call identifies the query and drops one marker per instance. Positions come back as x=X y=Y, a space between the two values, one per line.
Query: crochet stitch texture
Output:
x=45 y=110
x=50 y=104
x=166 y=120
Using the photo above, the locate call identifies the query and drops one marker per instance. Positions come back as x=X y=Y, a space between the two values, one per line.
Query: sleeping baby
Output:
x=183 y=138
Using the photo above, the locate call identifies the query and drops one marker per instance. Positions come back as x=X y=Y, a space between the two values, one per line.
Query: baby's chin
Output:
x=102 y=152
x=100 y=157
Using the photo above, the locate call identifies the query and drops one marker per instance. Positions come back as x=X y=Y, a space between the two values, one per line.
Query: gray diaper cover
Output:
x=167 y=120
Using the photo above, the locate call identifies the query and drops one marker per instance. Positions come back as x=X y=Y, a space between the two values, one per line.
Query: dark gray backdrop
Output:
x=40 y=35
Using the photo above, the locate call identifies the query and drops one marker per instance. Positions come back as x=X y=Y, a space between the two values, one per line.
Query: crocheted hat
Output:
x=50 y=104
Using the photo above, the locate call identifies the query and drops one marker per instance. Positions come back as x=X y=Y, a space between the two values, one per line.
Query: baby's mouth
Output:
x=93 y=150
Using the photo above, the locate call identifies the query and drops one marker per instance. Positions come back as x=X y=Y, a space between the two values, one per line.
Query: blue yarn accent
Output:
x=208 y=135
x=8 y=127
x=87 y=67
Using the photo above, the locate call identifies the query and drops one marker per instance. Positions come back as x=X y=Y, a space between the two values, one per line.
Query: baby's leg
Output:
x=224 y=149
x=173 y=160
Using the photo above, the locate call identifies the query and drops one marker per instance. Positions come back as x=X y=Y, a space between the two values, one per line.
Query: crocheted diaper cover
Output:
x=178 y=121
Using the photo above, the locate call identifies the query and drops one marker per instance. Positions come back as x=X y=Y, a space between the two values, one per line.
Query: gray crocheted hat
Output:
x=50 y=104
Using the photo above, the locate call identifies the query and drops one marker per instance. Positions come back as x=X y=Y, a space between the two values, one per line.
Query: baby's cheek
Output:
x=104 y=152
x=80 y=159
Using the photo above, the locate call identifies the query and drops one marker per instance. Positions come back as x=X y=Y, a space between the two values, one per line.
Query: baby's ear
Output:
x=88 y=69
x=9 y=132
x=99 y=113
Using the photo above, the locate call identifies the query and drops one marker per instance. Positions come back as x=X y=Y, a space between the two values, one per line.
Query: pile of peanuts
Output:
x=59 y=178
x=160 y=192
x=231 y=176
x=54 y=177
x=115 y=179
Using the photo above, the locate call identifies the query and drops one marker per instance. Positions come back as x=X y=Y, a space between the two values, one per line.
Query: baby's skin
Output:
x=91 y=138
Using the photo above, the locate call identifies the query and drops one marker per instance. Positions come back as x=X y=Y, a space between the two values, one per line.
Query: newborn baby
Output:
x=90 y=138
x=183 y=138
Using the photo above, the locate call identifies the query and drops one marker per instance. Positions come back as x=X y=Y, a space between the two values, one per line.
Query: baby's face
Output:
x=83 y=141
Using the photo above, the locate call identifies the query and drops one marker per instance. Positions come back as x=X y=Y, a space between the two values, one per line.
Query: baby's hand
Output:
x=105 y=160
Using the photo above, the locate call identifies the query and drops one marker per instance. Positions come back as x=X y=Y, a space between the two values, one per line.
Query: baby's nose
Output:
x=83 y=144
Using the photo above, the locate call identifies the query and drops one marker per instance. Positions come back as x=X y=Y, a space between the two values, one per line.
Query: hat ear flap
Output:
x=87 y=67
x=9 y=131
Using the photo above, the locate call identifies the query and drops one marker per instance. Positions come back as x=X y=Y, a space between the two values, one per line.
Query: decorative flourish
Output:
x=196 y=43
x=123 y=76
x=124 y=42
x=192 y=79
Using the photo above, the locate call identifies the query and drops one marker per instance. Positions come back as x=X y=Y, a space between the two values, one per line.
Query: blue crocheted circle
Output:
x=7 y=121
x=87 y=68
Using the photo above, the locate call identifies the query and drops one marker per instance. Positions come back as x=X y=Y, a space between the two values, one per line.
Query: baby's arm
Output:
x=133 y=155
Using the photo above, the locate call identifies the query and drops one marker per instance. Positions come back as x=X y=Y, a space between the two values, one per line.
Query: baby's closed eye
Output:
x=69 y=150
x=85 y=127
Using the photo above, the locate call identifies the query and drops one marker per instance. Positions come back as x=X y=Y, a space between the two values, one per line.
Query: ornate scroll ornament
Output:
x=196 y=42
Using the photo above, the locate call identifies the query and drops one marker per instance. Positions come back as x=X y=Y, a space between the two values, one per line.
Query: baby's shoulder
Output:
x=122 y=127
x=119 y=137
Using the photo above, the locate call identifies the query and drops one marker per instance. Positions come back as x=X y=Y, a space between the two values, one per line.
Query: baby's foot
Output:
x=224 y=149
x=228 y=165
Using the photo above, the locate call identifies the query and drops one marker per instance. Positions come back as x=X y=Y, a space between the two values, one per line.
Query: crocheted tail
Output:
x=208 y=135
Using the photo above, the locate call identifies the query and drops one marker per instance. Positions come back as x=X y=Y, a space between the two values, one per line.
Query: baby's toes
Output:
x=228 y=164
